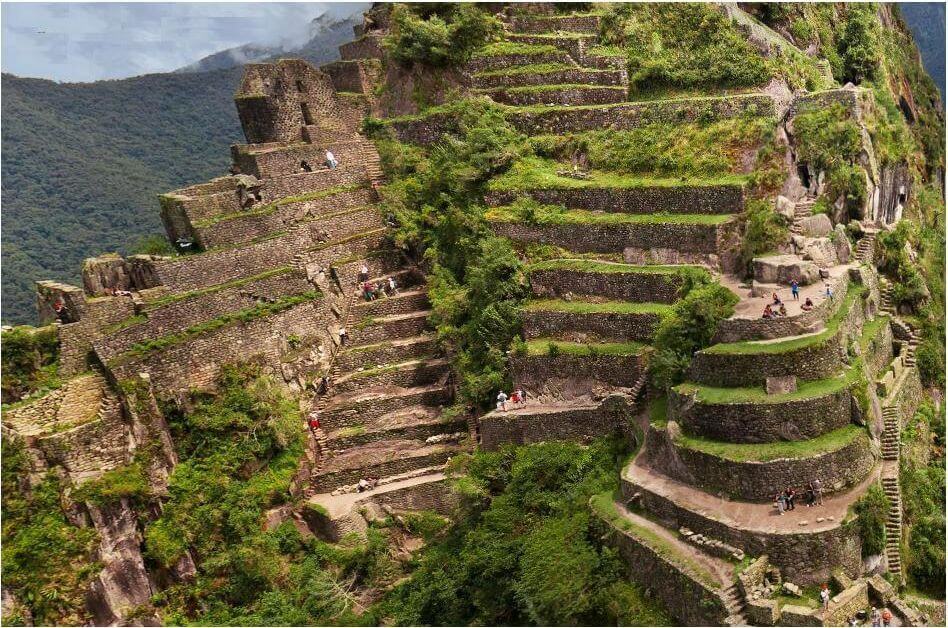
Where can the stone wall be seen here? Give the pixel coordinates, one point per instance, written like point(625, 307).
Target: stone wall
point(364, 411)
point(878, 351)
point(758, 481)
point(436, 456)
point(573, 423)
point(601, 325)
point(762, 422)
point(679, 199)
point(357, 76)
point(635, 286)
point(384, 353)
point(805, 557)
point(624, 116)
point(500, 62)
point(575, 375)
point(266, 161)
point(383, 329)
point(593, 238)
point(690, 601)
point(582, 96)
point(571, 76)
point(76, 339)
point(369, 46)
point(420, 374)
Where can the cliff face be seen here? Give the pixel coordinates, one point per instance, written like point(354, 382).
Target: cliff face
point(295, 265)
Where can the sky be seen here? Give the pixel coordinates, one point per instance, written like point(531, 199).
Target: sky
point(92, 41)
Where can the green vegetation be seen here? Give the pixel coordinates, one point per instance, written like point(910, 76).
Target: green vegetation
point(764, 452)
point(764, 230)
point(683, 46)
point(30, 362)
point(579, 306)
point(797, 342)
point(871, 512)
point(536, 173)
point(922, 478)
point(828, 139)
point(687, 150)
point(438, 34)
point(859, 43)
point(141, 349)
point(152, 244)
point(503, 48)
point(236, 283)
point(532, 69)
point(909, 287)
point(805, 390)
point(523, 506)
point(541, 346)
point(47, 561)
point(688, 327)
point(529, 211)
point(598, 266)
point(124, 482)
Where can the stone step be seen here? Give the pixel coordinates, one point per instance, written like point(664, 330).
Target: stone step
point(374, 330)
point(404, 302)
point(571, 95)
point(405, 374)
point(379, 459)
point(358, 408)
point(387, 352)
point(414, 423)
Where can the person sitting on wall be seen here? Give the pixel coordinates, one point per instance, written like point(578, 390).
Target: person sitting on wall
point(60, 308)
point(331, 161)
point(807, 305)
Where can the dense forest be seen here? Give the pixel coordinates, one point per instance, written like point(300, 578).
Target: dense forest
point(83, 162)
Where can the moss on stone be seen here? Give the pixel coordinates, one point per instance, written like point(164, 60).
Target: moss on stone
point(582, 306)
point(551, 214)
point(541, 346)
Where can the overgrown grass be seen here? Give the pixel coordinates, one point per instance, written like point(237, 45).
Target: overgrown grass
point(535, 68)
point(805, 390)
point(540, 89)
point(579, 306)
point(502, 48)
point(541, 346)
point(558, 215)
point(751, 347)
point(765, 452)
point(596, 266)
point(30, 360)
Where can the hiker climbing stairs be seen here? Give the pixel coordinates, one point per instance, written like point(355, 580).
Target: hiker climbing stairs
point(893, 525)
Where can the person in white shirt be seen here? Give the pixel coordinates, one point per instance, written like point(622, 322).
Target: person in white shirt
point(331, 159)
point(502, 401)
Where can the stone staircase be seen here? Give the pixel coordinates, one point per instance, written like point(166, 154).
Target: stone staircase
point(893, 525)
point(905, 331)
point(802, 211)
point(735, 604)
point(891, 433)
point(865, 248)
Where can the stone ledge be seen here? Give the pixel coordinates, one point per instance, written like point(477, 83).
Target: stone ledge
point(657, 287)
point(637, 326)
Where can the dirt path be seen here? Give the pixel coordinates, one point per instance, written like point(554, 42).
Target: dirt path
point(754, 517)
point(722, 570)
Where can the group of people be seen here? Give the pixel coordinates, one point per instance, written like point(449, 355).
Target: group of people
point(383, 288)
point(518, 397)
point(812, 496)
point(777, 309)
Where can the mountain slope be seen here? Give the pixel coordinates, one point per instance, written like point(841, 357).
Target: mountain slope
point(83, 162)
point(927, 22)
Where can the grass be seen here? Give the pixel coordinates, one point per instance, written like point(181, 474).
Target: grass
point(806, 390)
point(577, 306)
point(554, 215)
point(606, 51)
point(269, 208)
point(596, 266)
point(605, 507)
point(349, 432)
point(536, 68)
point(142, 349)
point(658, 411)
point(765, 452)
point(533, 89)
point(533, 173)
point(751, 347)
point(174, 298)
point(871, 329)
point(355, 236)
point(541, 346)
point(501, 48)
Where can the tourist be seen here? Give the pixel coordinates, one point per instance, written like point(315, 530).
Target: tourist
point(364, 273)
point(363, 485)
point(391, 221)
point(829, 292)
point(807, 305)
point(795, 290)
point(783, 310)
point(876, 617)
point(808, 496)
point(853, 621)
point(343, 336)
point(780, 504)
point(380, 289)
point(825, 596)
point(392, 287)
point(305, 167)
point(515, 397)
point(331, 160)
point(502, 401)
point(60, 309)
point(313, 422)
point(791, 495)
point(768, 312)
point(817, 491)
point(776, 299)
point(523, 396)
point(367, 291)
point(886, 617)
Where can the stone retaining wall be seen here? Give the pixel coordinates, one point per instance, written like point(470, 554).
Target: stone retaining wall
point(385, 353)
point(803, 557)
point(419, 432)
point(500, 62)
point(758, 481)
point(366, 47)
point(365, 411)
point(578, 374)
point(76, 339)
point(535, 24)
point(762, 422)
point(574, 76)
point(689, 600)
point(636, 287)
point(358, 75)
point(601, 325)
point(564, 95)
point(383, 330)
point(325, 482)
point(679, 199)
point(417, 375)
point(390, 306)
point(578, 423)
point(878, 351)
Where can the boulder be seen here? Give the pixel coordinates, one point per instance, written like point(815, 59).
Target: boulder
point(791, 589)
point(821, 251)
point(785, 268)
point(781, 384)
point(786, 208)
point(817, 225)
point(844, 249)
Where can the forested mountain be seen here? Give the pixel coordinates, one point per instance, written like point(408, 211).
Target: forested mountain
point(927, 21)
point(83, 162)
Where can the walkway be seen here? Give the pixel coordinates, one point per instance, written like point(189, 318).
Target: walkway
point(753, 307)
point(342, 504)
point(753, 517)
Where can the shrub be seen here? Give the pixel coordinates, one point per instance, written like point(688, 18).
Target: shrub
point(829, 139)
point(30, 360)
point(439, 35)
point(687, 327)
point(764, 230)
point(152, 245)
point(859, 45)
point(871, 511)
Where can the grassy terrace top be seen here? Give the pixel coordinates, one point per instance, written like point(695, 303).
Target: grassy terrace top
point(596, 266)
point(583, 217)
point(751, 347)
point(536, 68)
point(269, 208)
point(502, 48)
point(578, 306)
point(697, 99)
point(805, 390)
point(536, 173)
point(541, 346)
point(766, 452)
